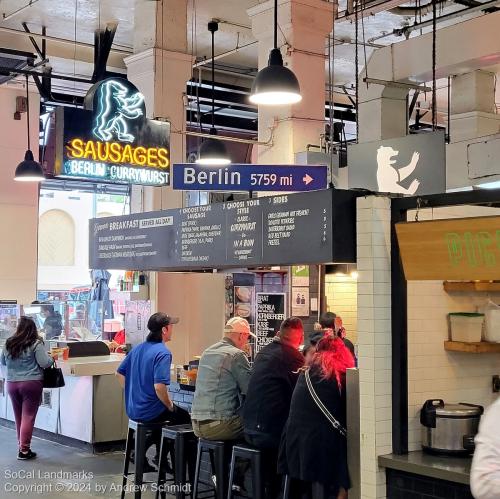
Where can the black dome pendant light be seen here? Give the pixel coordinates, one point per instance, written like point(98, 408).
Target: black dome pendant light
point(29, 170)
point(275, 85)
point(212, 151)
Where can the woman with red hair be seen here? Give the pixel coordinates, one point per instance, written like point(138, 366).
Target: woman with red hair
point(314, 445)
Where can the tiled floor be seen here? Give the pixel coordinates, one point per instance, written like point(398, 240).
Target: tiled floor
point(87, 476)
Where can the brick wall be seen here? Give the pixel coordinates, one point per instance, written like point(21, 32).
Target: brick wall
point(374, 340)
point(432, 371)
point(342, 298)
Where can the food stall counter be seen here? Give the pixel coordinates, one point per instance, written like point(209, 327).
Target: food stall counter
point(91, 366)
point(419, 473)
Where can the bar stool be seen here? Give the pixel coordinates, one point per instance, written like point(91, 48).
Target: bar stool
point(242, 451)
point(218, 453)
point(141, 432)
point(179, 438)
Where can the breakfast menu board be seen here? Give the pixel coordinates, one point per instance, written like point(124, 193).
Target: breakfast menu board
point(270, 314)
point(274, 230)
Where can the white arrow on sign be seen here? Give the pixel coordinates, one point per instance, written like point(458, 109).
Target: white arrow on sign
point(307, 179)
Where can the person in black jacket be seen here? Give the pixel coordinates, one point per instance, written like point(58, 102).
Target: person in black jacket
point(267, 404)
point(331, 321)
point(313, 448)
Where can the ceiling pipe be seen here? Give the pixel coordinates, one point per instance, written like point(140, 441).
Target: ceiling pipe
point(66, 41)
point(224, 54)
point(268, 143)
point(412, 11)
point(369, 9)
point(453, 15)
point(6, 17)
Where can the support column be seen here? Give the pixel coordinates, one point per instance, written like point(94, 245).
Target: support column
point(473, 119)
point(374, 340)
point(303, 27)
point(18, 201)
point(383, 110)
point(473, 110)
point(160, 69)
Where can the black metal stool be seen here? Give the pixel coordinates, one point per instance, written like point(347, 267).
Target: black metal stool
point(218, 453)
point(141, 431)
point(180, 438)
point(253, 455)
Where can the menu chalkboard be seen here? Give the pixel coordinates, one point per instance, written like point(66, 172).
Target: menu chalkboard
point(270, 314)
point(277, 230)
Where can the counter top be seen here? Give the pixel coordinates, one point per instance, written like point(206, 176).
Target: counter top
point(182, 386)
point(91, 366)
point(452, 469)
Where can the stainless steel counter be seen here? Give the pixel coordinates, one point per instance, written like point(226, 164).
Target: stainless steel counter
point(452, 469)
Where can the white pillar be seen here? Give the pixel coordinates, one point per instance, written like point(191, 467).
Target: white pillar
point(304, 24)
point(374, 340)
point(18, 201)
point(473, 109)
point(160, 69)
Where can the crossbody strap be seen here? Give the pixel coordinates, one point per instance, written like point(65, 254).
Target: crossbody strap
point(322, 407)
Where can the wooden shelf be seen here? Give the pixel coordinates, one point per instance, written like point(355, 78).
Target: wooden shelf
point(480, 347)
point(485, 286)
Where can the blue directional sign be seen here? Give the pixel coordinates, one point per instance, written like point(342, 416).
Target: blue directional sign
point(249, 177)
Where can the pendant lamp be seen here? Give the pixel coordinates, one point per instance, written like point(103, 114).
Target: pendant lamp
point(213, 151)
point(275, 85)
point(29, 170)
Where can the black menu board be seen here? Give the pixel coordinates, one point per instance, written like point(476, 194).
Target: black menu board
point(270, 313)
point(275, 230)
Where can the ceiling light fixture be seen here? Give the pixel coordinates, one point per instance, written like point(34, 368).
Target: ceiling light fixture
point(275, 85)
point(29, 170)
point(212, 151)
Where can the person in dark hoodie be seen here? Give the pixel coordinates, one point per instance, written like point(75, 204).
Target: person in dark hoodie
point(53, 325)
point(332, 322)
point(267, 404)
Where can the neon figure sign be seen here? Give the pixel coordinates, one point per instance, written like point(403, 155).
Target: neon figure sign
point(111, 140)
point(115, 107)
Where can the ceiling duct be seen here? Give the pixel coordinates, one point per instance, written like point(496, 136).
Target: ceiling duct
point(13, 59)
point(412, 10)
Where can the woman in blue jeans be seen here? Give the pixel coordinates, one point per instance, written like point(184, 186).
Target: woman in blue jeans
point(25, 357)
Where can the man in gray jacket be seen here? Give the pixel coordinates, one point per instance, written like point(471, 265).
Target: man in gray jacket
point(221, 384)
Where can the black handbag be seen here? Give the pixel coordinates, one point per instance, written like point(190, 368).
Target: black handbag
point(53, 377)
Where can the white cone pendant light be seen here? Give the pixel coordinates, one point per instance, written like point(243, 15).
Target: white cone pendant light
point(29, 170)
point(275, 85)
point(212, 151)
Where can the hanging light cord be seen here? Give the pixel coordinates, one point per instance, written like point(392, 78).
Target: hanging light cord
point(275, 24)
point(434, 29)
point(28, 112)
point(213, 78)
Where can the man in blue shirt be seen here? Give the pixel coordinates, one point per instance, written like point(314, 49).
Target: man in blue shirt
point(145, 375)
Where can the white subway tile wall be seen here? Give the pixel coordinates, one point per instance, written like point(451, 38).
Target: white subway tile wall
point(374, 340)
point(341, 298)
point(432, 371)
